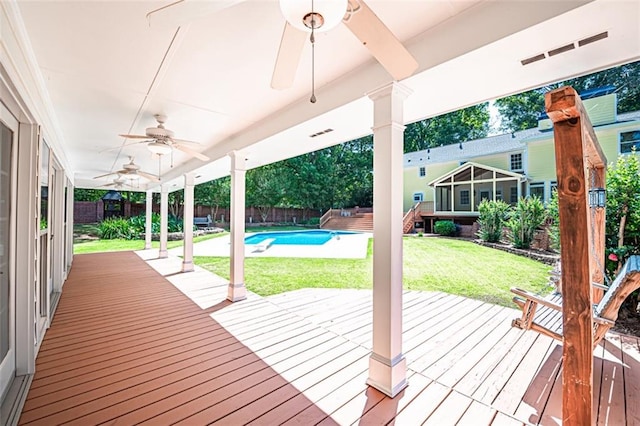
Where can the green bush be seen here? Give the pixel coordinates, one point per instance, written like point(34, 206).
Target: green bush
point(138, 224)
point(115, 228)
point(527, 216)
point(314, 221)
point(445, 227)
point(493, 215)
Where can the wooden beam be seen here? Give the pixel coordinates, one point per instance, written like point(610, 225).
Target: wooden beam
point(565, 109)
point(564, 104)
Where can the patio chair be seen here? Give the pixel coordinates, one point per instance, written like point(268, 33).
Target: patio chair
point(544, 315)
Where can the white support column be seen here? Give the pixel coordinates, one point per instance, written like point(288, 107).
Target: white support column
point(148, 223)
point(237, 291)
point(187, 226)
point(164, 220)
point(387, 365)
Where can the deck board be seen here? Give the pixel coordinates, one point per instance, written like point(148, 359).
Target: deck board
point(136, 342)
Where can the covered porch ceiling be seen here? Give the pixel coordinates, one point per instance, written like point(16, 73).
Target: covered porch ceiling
point(106, 71)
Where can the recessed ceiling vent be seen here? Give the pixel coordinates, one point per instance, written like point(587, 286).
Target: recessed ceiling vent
point(322, 132)
point(593, 38)
point(566, 48)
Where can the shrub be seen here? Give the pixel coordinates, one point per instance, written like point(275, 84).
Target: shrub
point(527, 216)
point(138, 224)
point(445, 227)
point(493, 215)
point(114, 228)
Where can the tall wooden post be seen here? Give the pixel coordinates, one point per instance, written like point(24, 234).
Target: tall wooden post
point(577, 151)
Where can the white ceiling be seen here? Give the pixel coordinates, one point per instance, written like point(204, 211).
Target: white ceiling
point(108, 72)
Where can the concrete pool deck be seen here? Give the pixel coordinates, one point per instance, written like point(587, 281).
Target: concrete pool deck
point(352, 246)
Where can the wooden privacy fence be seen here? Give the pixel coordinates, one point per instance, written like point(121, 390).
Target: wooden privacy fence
point(581, 167)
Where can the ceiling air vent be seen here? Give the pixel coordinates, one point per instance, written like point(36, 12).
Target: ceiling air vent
point(533, 59)
point(593, 38)
point(565, 48)
point(562, 49)
point(322, 132)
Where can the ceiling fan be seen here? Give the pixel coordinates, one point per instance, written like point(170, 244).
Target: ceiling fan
point(130, 170)
point(302, 18)
point(118, 183)
point(160, 140)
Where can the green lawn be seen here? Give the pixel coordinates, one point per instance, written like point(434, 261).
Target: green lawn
point(97, 246)
point(443, 264)
point(448, 265)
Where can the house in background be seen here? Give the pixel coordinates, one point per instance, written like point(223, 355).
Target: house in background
point(448, 182)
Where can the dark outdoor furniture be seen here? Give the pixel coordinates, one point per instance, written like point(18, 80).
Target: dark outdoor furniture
point(203, 222)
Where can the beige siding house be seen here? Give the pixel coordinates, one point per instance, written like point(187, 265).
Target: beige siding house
point(449, 181)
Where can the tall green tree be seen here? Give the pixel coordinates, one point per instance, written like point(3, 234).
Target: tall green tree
point(214, 194)
point(521, 111)
point(451, 128)
point(265, 188)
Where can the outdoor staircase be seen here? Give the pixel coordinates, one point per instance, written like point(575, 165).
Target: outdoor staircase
point(356, 222)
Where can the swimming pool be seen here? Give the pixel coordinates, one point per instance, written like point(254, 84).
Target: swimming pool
point(306, 238)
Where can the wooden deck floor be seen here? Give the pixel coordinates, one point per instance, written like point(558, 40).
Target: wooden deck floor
point(136, 342)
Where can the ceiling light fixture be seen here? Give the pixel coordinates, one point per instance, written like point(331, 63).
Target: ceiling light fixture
point(159, 148)
point(324, 15)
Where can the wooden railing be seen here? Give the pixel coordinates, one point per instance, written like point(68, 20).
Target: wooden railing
point(326, 217)
point(354, 211)
point(409, 219)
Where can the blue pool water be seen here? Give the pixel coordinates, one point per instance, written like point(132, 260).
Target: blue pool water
point(307, 238)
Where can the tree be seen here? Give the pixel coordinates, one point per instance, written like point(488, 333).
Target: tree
point(521, 111)
point(623, 209)
point(265, 188)
point(80, 194)
point(451, 128)
point(215, 194)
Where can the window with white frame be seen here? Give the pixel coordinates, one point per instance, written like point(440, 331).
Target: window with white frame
point(464, 197)
point(499, 195)
point(422, 171)
point(553, 185)
point(629, 141)
point(515, 162)
point(418, 197)
point(536, 189)
point(485, 195)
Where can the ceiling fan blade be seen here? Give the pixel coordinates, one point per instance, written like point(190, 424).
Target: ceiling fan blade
point(134, 136)
point(381, 42)
point(126, 145)
point(183, 12)
point(191, 152)
point(108, 174)
point(184, 142)
point(288, 58)
point(148, 176)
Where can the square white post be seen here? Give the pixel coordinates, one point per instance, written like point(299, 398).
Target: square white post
point(237, 291)
point(164, 220)
point(187, 224)
point(387, 365)
point(148, 223)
